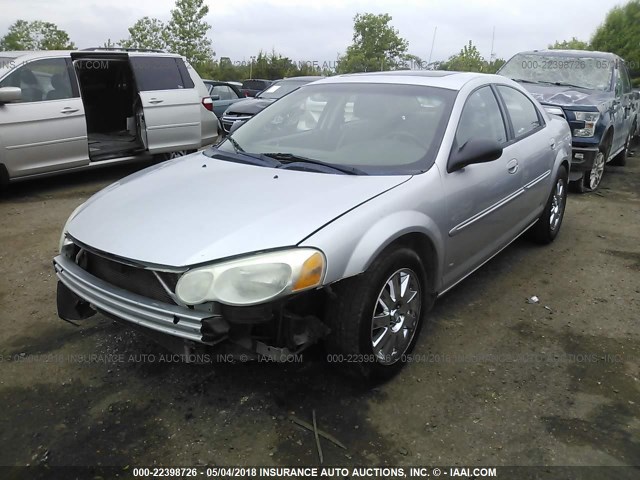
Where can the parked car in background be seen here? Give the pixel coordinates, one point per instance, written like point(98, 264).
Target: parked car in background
point(71, 110)
point(222, 94)
point(280, 236)
point(243, 111)
point(592, 91)
point(251, 87)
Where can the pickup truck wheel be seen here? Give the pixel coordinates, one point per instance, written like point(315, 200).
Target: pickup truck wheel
point(620, 160)
point(547, 227)
point(591, 179)
point(376, 316)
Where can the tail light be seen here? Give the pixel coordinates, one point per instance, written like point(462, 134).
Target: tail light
point(207, 103)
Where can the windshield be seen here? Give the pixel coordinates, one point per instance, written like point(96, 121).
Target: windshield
point(374, 128)
point(583, 72)
point(254, 84)
point(280, 89)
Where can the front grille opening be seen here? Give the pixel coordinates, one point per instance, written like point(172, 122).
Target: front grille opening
point(133, 279)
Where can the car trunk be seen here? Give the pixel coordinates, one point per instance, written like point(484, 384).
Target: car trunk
point(112, 106)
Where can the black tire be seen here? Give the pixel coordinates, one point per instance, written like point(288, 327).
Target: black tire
point(350, 315)
point(545, 231)
point(591, 180)
point(162, 157)
point(4, 179)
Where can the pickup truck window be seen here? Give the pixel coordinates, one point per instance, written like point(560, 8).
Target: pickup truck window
point(626, 81)
point(593, 73)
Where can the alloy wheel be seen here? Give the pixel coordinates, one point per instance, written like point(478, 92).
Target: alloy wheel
point(597, 171)
point(395, 316)
point(558, 202)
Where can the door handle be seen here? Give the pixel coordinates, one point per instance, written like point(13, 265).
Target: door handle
point(155, 100)
point(68, 110)
point(512, 166)
point(552, 144)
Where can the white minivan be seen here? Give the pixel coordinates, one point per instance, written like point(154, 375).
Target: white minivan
point(71, 110)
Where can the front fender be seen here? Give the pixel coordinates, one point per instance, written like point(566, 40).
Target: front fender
point(353, 241)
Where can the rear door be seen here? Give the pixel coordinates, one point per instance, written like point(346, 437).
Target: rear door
point(533, 146)
point(170, 103)
point(46, 131)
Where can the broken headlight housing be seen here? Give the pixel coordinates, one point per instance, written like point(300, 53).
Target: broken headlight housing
point(590, 120)
point(255, 279)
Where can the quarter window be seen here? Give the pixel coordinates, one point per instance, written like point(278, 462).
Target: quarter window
point(523, 113)
point(481, 118)
point(160, 73)
point(40, 80)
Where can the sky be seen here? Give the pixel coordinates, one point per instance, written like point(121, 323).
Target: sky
point(320, 30)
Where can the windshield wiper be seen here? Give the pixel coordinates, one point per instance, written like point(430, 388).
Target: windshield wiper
point(238, 150)
point(564, 84)
point(287, 158)
point(522, 80)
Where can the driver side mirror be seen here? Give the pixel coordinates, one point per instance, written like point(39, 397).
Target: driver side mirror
point(475, 150)
point(10, 94)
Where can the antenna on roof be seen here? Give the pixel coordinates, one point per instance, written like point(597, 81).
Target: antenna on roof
point(492, 57)
point(433, 42)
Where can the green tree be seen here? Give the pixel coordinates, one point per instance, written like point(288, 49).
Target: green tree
point(187, 32)
point(573, 44)
point(468, 60)
point(376, 45)
point(620, 34)
point(36, 35)
point(146, 33)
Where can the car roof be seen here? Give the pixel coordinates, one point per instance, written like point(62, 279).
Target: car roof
point(570, 53)
point(26, 55)
point(433, 78)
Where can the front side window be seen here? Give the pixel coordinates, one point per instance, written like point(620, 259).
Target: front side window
point(481, 118)
point(41, 80)
point(523, 113)
point(383, 129)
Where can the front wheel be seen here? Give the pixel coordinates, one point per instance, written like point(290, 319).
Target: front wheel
point(591, 179)
point(547, 227)
point(376, 317)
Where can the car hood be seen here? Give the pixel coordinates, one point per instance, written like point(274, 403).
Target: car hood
point(197, 209)
point(250, 105)
point(567, 96)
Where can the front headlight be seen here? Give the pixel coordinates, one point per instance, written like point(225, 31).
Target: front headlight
point(64, 241)
point(253, 280)
point(590, 120)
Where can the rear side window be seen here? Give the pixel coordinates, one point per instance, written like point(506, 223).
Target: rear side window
point(523, 113)
point(160, 73)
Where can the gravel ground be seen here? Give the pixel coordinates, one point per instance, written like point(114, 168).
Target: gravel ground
point(495, 381)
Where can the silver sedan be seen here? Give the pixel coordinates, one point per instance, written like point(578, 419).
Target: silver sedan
point(341, 212)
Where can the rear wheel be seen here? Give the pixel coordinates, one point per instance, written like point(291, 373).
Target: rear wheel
point(547, 227)
point(376, 317)
point(171, 155)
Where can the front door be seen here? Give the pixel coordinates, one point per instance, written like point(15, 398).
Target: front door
point(46, 131)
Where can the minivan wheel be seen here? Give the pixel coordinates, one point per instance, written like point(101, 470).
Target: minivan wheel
point(376, 317)
point(547, 227)
point(171, 155)
point(4, 178)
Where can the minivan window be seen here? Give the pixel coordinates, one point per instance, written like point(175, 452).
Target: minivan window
point(46, 79)
point(160, 73)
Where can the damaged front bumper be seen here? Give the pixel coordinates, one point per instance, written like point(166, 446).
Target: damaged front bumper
point(183, 329)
